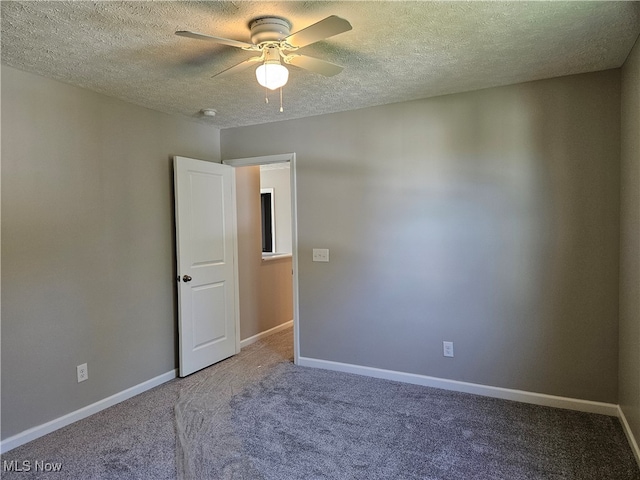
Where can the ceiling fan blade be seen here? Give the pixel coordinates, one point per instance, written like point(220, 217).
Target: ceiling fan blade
point(316, 65)
point(211, 38)
point(238, 68)
point(326, 28)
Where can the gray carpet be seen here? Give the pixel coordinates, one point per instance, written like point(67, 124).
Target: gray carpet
point(257, 416)
point(308, 423)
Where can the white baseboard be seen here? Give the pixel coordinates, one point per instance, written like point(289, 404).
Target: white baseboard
point(627, 431)
point(41, 430)
point(477, 389)
point(248, 341)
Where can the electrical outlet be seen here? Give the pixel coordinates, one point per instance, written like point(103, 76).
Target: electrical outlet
point(83, 372)
point(447, 349)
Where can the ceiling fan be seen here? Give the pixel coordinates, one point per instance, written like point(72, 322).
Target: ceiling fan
point(272, 41)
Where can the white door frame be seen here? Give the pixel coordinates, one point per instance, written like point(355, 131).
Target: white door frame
point(291, 159)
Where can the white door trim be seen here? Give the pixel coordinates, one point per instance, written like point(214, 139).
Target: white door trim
point(282, 158)
point(263, 160)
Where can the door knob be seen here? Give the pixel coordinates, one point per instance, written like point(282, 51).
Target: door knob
point(186, 278)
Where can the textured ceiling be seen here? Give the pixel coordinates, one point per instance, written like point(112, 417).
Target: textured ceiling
point(396, 51)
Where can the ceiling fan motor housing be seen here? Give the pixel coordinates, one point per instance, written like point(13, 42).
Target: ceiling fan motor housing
point(269, 29)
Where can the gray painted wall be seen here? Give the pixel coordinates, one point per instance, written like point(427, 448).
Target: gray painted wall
point(490, 219)
point(87, 245)
point(630, 244)
point(266, 294)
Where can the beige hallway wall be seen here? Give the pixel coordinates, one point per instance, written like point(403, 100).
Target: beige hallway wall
point(266, 295)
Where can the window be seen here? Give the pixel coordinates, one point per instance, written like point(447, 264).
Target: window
point(268, 221)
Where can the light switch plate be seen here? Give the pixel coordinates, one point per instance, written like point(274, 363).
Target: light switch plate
point(320, 254)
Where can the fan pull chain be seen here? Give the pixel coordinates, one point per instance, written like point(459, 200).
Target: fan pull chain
point(281, 109)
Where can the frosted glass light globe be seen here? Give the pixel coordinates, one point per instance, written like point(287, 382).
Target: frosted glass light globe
point(272, 75)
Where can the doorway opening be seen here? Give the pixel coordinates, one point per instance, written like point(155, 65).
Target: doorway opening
point(268, 280)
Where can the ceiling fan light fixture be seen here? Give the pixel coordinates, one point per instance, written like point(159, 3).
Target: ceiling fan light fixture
point(271, 37)
point(272, 75)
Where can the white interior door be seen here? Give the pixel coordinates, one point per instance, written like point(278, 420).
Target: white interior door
point(207, 267)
